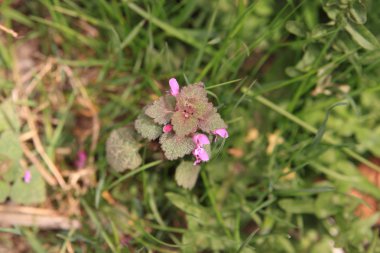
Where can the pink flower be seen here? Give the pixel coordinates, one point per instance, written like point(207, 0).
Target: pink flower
point(200, 140)
point(167, 128)
point(27, 176)
point(174, 87)
point(81, 159)
point(222, 132)
point(200, 155)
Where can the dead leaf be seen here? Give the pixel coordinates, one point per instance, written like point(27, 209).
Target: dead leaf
point(252, 135)
point(236, 152)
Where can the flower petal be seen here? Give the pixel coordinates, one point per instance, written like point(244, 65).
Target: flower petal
point(201, 139)
point(222, 132)
point(27, 176)
point(200, 154)
point(167, 128)
point(174, 87)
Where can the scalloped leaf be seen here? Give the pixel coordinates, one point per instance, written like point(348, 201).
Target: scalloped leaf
point(212, 122)
point(193, 99)
point(186, 174)
point(175, 146)
point(147, 128)
point(29, 193)
point(122, 150)
point(184, 126)
point(196, 90)
point(162, 109)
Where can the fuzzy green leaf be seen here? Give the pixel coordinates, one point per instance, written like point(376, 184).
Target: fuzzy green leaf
point(183, 126)
point(8, 116)
point(4, 191)
point(162, 109)
point(193, 91)
point(11, 153)
point(147, 128)
point(186, 174)
point(192, 100)
point(29, 193)
point(175, 146)
point(122, 150)
point(212, 122)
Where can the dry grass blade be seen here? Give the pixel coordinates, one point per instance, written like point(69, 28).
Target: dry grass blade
point(40, 149)
point(9, 31)
point(35, 217)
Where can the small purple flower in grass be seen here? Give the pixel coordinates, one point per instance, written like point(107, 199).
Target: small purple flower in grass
point(167, 128)
point(222, 132)
point(200, 140)
point(199, 152)
point(200, 155)
point(174, 87)
point(27, 176)
point(81, 159)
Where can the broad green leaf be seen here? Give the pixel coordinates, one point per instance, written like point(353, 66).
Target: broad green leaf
point(186, 174)
point(323, 245)
point(175, 146)
point(122, 150)
point(147, 128)
point(358, 13)
point(212, 122)
point(184, 125)
point(296, 28)
point(5, 189)
point(361, 35)
point(369, 139)
point(297, 205)
point(10, 153)
point(29, 193)
point(188, 206)
point(8, 116)
point(162, 109)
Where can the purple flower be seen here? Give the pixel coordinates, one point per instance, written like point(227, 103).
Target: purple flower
point(199, 152)
point(222, 132)
point(174, 87)
point(200, 155)
point(167, 128)
point(81, 159)
point(27, 176)
point(200, 140)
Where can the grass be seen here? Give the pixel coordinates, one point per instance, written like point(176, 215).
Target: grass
point(282, 182)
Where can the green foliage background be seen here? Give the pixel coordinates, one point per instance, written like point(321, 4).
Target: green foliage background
point(304, 71)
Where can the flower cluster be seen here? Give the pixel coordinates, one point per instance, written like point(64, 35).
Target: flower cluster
point(181, 120)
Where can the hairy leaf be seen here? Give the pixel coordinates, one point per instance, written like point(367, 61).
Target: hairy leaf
point(147, 128)
point(212, 122)
point(186, 174)
point(122, 150)
point(193, 100)
point(162, 109)
point(29, 193)
point(183, 126)
point(175, 146)
point(193, 91)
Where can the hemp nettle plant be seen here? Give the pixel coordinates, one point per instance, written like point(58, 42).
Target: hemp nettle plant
point(182, 121)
